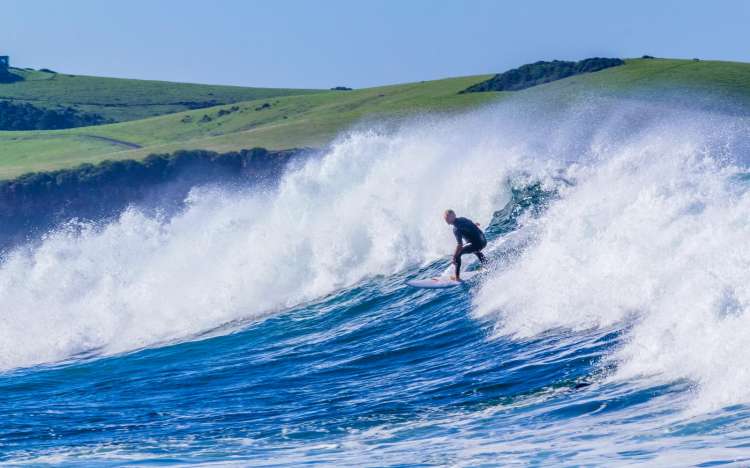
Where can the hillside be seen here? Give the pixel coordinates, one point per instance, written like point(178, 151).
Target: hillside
point(279, 123)
point(125, 99)
point(729, 79)
point(313, 120)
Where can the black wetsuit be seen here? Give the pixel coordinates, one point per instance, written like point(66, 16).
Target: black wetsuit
point(464, 228)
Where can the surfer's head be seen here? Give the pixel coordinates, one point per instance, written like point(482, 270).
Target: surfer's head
point(449, 216)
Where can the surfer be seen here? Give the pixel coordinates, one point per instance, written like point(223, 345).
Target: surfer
point(467, 229)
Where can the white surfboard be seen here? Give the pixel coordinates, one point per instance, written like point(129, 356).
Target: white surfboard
point(441, 282)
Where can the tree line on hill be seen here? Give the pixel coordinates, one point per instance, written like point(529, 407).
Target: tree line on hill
point(28, 117)
point(541, 72)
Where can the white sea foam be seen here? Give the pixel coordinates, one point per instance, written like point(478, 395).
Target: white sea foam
point(372, 205)
point(654, 228)
point(655, 232)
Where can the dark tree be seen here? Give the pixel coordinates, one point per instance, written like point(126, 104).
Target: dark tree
point(541, 72)
point(27, 117)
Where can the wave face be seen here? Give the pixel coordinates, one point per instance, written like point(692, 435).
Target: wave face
point(274, 325)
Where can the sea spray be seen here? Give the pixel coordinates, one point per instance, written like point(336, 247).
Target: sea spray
point(370, 206)
point(616, 289)
point(647, 231)
point(654, 234)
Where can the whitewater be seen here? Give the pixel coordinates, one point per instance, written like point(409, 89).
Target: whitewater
point(271, 325)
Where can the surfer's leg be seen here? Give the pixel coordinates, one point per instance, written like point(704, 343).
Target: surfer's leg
point(476, 250)
point(457, 263)
point(479, 254)
point(466, 249)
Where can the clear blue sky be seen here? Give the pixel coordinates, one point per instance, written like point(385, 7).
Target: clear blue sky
point(324, 43)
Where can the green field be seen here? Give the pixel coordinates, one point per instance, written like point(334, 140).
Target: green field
point(314, 119)
point(731, 79)
point(289, 121)
point(122, 99)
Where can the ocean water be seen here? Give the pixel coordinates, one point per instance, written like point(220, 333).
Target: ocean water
point(272, 326)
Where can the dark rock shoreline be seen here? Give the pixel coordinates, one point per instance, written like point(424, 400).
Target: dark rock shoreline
point(32, 204)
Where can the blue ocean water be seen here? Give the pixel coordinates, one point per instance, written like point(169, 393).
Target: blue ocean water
point(574, 349)
point(379, 374)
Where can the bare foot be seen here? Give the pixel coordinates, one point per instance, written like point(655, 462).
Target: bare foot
point(455, 278)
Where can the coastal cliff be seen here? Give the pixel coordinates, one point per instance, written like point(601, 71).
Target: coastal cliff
point(32, 204)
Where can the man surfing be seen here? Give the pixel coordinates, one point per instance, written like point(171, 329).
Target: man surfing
point(467, 229)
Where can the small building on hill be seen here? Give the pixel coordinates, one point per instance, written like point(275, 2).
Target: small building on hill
point(5, 74)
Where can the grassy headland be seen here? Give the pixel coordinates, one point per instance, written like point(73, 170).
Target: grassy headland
point(120, 99)
point(314, 119)
point(278, 123)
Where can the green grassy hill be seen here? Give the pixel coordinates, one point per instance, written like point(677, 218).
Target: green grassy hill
point(729, 79)
point(278, 123)
point(281, 122)
point(122, 99)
